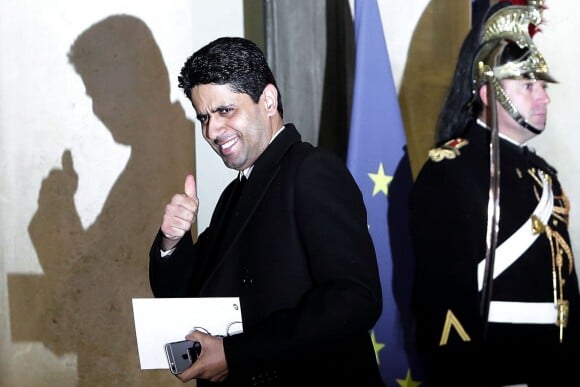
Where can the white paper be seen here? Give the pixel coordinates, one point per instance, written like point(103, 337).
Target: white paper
point(162, 320)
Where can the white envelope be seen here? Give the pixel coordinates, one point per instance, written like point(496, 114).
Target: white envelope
point(162, 320)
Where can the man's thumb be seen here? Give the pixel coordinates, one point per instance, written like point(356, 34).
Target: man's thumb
point(190, 186)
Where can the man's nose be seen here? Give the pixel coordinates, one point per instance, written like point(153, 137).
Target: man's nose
point(542, 95)
point(214, 126)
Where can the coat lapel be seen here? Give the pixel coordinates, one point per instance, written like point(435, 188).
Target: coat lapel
point(265, 170)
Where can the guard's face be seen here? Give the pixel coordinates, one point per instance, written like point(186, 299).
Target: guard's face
point(233, 125)
point(531, 99)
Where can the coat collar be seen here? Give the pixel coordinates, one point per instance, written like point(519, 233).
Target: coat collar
point(265, 170)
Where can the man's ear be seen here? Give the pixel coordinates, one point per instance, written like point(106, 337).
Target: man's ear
point(483, 94)
point(270, 99)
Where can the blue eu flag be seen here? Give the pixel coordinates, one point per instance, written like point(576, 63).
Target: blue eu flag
point(378, 160)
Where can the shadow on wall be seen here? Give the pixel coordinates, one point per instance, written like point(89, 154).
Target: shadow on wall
point(430, 63)
point(82, 304)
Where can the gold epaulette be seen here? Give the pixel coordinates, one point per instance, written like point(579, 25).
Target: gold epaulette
point(449, 150)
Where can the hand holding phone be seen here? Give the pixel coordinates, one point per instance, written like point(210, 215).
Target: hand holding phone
point(181, 355)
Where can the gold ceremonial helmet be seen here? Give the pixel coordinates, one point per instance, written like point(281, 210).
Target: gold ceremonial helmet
point(506, 51)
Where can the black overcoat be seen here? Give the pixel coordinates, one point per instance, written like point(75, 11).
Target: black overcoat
point(299, 255)
point(449, 205)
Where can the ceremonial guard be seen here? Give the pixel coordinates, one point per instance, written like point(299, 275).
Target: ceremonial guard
point(496, 295)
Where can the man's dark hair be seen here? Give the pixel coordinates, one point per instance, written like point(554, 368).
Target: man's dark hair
point(232, 61)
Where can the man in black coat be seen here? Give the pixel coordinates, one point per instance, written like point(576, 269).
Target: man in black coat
point(288, 237)
point(523, 326)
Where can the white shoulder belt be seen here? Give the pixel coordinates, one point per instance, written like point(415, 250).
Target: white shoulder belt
point(509, 252)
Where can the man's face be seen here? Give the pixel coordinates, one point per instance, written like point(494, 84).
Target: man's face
point(233, 125)
point(531, 100)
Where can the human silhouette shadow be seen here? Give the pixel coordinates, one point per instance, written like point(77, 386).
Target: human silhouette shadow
point(403, 261)
point(82, 303)
point(431, 59)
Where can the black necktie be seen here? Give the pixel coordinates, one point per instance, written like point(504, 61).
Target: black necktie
point(232, 204)
point(224, 223)
point(217, 249)
point(242, 183)
point(237, 193)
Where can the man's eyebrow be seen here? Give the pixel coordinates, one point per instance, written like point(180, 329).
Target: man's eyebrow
point(214, 110)
point(221, 107)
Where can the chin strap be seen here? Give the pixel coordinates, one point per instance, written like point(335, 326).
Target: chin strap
point(520, 120)
point(509, 106)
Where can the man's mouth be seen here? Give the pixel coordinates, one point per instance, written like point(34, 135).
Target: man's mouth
point(227, 146)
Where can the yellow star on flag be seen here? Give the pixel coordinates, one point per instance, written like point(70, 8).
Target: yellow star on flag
point(408, 382)
point(377, 346)
point(381, 181)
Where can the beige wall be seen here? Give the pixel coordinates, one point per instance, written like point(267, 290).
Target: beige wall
point(92, 149)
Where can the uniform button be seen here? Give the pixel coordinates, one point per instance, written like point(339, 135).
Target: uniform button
point(247, 279)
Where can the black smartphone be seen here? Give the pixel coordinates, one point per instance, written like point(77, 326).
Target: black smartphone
point(181, 355)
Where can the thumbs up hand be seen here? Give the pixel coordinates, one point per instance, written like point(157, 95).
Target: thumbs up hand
point(180, 213)
point(190, 190)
